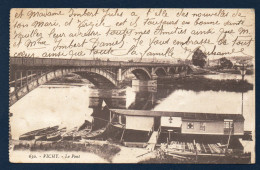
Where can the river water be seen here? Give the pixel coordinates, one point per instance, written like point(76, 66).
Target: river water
point(51, 105)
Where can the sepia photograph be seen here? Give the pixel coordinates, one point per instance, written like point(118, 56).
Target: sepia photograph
point(132, 85)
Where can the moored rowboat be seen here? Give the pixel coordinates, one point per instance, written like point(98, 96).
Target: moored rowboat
point(56, 135)
point(69, 134)
point(31, 135)
point(77, 135)
point(42, 135)
point(95, 134)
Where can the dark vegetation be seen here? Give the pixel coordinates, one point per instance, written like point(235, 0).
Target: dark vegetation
point(105, 151)
point(199, 58)
point(225, 63)
point(198, 83)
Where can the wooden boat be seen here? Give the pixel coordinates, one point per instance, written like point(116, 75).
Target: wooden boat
point(77, 135)
point(95, 134)
point(69, 134)
point(31, 135)
point(42, 135)
point(82, 130)
point(86, 125)
point(188, 148)
point(56, 135)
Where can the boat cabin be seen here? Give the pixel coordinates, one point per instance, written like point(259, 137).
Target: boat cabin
point(179, 122)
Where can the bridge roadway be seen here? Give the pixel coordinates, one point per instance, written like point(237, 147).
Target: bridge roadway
point(27, 74)
point(54, 62)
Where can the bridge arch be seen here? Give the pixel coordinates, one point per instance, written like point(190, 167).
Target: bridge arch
point(139, 72)
point(109, 76)
point(160, 71)
point(33, 84)
point(173, 70)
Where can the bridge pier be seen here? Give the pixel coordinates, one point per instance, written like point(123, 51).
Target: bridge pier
point(153, 74)
point(119, 74)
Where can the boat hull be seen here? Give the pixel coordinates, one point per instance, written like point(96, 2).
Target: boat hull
point(95, 134)
point(26, 137)
point(41, 137)
point(54, 138)
point(31, 135)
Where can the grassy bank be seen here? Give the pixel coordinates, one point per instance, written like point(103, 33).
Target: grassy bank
point(105, 151)
point(230, 71)
point(248, 72)
point(198, 83)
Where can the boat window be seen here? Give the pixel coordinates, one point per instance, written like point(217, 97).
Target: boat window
point(202, 126)
point(190, 125)
point(228, 124)
point(123, 119)
point(115, 118)
point(120, 119)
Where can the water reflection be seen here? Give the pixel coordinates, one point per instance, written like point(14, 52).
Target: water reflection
point(48, 106)
point(224, 76)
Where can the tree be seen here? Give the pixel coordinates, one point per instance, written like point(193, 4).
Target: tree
point(225, 63)
point(199, 58)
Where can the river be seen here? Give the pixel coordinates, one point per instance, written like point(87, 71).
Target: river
point(51, 105)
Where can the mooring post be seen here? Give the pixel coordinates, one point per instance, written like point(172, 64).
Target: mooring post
point(152, 98)
point(21, 78)
point(26, 76)
point(37, 77)
point(15, 81)
point(195, 146)
point(31, 73)
point(122, 135)
point(110, 116)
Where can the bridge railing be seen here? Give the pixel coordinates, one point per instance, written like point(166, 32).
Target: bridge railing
point(21, 61)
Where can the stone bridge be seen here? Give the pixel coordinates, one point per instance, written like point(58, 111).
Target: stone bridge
point(27, 74)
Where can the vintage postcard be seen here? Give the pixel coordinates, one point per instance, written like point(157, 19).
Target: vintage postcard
point(132, 85)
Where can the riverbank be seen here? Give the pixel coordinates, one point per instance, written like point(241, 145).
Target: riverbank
point(101, 149)
point(249, 71)
point(200, 83)
point(233, 71)
point(245, 159)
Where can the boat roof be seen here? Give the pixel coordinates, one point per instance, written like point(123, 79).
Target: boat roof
point(183, 115)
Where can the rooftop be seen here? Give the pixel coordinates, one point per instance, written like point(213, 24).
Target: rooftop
point(183, 115)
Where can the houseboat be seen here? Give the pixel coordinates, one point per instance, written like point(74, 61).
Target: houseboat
point(159, 126)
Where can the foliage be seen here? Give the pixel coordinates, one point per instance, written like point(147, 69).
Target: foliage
point(199, 58)
point(199, 83)
point(225, 63)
